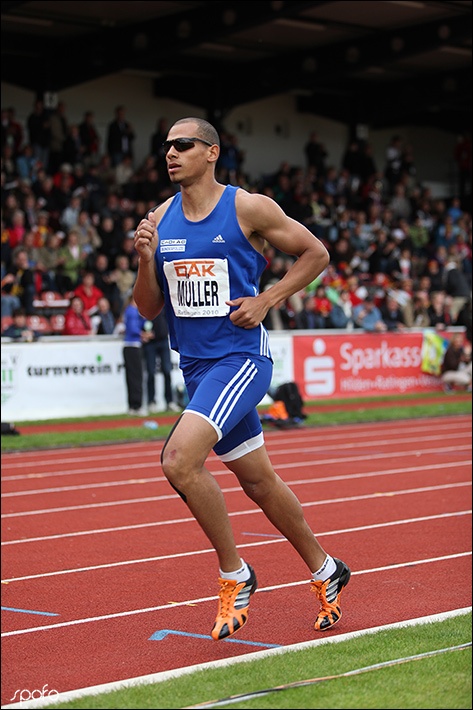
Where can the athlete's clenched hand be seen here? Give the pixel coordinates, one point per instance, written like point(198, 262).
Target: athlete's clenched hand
point(146, 237)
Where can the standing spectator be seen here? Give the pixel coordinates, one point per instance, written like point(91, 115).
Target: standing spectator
point(76, 319)
point(39, 132)
point(393, 166)
point(156, 148)
point(155, 338)
point(133, 357)
point(456, 285)
point(462, 155)
point(120, 137)
point(464, 319)
point(58, 128)
point(90, 138)
point(73, 151)
point(315, 154)
point(12, 131)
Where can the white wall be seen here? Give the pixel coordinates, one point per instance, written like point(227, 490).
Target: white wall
point(272, 129)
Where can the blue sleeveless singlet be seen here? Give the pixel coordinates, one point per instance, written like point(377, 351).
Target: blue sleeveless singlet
point(200, 266)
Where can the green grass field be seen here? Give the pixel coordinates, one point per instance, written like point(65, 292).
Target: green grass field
point(387, 669)
point(423, 666)
point(413, 406)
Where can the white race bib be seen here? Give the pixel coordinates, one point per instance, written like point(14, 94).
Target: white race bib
point(198, 288)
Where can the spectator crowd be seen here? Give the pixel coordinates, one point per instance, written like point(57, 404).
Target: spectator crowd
point(400, 258)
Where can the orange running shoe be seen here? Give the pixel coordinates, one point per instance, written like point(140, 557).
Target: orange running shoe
point(234, 601)
point(328, 593)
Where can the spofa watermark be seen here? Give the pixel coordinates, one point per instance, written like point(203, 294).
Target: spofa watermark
point(24, 695)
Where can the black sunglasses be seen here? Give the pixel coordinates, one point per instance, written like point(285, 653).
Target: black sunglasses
point(182, 144)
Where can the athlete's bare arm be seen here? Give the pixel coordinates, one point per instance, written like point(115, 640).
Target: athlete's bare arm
point(262, 219)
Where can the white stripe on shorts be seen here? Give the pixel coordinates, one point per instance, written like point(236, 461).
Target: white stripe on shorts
point(232, 393)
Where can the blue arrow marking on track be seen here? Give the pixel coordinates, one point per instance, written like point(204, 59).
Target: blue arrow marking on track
point(162, 633)
point(28, 611)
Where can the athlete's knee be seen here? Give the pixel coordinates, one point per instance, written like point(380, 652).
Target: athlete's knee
point(259, 489)
point(172, 470)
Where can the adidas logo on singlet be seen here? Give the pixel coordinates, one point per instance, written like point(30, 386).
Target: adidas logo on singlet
point(219, 239)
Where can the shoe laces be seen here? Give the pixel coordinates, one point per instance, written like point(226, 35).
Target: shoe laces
point(320, 590)
point(226, 594)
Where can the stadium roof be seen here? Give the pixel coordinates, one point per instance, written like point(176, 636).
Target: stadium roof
point(382, 63)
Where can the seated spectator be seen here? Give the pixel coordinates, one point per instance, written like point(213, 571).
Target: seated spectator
point(341, 315)
point(438, 311)
point(51, 260)
point(434, 271)
point(310, 317)
point(279, 317)
point(105, 281)
point(10, 301)
point(123, 277)
point(103, 320)
point(73, 260)
point(456, 370)
point(16, 229)
point(76, 320)
point(89, 293)
point(368, 317)
point(19, 282)
point(323, 305)
point(417, 316)
point(392, 314)
point(18, 329)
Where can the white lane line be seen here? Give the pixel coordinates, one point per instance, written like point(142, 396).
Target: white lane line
point(325, 501)
point(175, 605)
point(319, 463)
point(145, 560)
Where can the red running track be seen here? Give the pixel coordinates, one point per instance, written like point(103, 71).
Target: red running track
point(106, 576)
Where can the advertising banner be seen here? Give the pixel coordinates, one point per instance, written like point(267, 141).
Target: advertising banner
point(360, 364)
point(73, 378)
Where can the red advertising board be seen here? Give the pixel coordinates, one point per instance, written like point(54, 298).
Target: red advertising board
point(357, 364)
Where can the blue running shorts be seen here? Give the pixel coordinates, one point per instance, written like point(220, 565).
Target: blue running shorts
point(225, 393)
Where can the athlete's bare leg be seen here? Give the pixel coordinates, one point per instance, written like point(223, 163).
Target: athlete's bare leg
point(261, 483)
point(183, 460)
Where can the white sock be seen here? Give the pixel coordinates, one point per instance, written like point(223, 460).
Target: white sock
point(239, 575)
point(326, 571)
